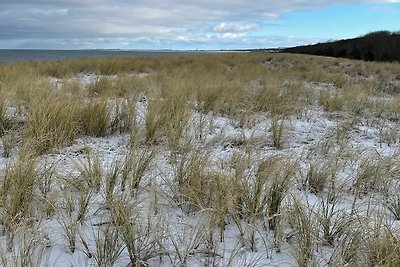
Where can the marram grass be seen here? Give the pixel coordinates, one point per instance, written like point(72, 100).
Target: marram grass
point(180, 186)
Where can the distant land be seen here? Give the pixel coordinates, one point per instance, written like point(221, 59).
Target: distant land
point(375, 46)
point(21, 55)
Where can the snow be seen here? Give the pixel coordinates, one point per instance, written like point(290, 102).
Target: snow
point(186, 231)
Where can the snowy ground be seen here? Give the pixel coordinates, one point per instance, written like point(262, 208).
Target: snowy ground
point(314, 137)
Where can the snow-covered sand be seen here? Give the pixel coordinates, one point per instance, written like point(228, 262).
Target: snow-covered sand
point(315, 137)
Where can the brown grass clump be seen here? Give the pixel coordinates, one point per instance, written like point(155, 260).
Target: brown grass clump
point(51, 123)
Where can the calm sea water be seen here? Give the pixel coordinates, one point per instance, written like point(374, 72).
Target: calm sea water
point(19, 55)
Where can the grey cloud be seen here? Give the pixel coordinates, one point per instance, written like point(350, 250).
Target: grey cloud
point(168, 21)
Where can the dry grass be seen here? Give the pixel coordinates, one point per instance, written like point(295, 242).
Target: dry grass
point(18, 191)
point(277, 152)
point(95, 118)
point(51, 123)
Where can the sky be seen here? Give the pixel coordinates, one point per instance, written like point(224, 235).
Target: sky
point(190, 24)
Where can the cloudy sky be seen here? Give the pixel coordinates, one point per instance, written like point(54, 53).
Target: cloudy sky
point(188, 24)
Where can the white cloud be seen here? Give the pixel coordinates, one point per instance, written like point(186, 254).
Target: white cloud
point(231, 36)
point(165, 21)
point(235, 27)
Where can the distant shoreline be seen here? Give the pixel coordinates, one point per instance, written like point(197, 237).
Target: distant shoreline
point(22, 55)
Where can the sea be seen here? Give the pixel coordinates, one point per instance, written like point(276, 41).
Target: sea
point(20, 55)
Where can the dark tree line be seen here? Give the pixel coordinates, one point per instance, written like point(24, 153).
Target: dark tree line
point(375, 46)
